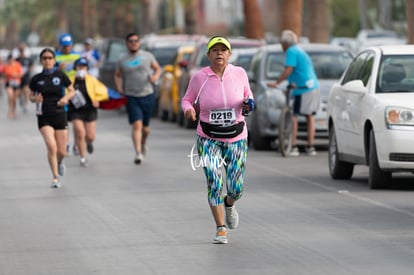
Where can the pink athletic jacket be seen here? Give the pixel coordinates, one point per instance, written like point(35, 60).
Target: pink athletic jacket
point(215, 93)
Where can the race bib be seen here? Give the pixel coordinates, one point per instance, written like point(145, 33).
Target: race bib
point(14, 83)
point(223, 117)
point(78, 100)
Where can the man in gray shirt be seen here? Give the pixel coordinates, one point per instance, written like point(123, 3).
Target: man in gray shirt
point(135, 75)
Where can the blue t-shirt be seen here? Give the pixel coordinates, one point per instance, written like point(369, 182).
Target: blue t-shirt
point(303, 74)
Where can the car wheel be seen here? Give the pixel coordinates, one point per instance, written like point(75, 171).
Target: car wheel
point(377, 177)
point(259, 142)
point(337, 168)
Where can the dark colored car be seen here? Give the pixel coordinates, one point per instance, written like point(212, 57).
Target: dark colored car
point(111, 50)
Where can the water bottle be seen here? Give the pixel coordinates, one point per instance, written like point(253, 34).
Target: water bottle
point(38, 107)
point(244, 111)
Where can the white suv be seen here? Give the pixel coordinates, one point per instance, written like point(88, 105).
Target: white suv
point(371, 115)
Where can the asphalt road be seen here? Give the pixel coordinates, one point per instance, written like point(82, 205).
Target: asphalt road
point(115, 217)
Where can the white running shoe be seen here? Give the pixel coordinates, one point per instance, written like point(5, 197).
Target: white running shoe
point(83, 162)
point(294, 152)
point(138, 158)
point(232, 217)
point(311, 151)
point(55, 183)
point(61, 169)
point(221, 235)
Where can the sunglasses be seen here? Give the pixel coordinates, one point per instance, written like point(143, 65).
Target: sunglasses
point(47, 57)
point(133, 40)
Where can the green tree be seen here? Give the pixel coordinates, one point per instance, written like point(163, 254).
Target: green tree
point(345, 18)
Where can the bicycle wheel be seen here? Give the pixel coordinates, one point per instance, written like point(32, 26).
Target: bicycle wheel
point(285, 131)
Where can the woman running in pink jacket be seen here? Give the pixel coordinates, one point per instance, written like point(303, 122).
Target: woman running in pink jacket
point(222, 95)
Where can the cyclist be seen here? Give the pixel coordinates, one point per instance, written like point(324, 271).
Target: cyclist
point(300, 72)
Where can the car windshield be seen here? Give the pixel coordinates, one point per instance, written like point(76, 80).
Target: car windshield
point(274, 65)
point(330, 65)
point(116, 51)
point(244, 61)
point(382, 34)
point(396, 74)
point(165, 55)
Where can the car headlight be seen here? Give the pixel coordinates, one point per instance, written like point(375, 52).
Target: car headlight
point(398, 116)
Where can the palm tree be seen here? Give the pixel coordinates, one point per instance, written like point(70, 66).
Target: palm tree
point(105, 22)
point(253, 19)
point(385, 14)
point(145, 18)
point(409, 10)
point(363, 11)
point(292, 15)
point(190, 16)
point(318, 21)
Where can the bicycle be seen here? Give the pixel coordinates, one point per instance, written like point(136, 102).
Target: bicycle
point(285, 124)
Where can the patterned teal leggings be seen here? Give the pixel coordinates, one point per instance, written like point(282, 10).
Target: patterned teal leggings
point(216, 156)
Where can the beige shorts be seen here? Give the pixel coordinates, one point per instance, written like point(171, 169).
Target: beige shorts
point(307, 103)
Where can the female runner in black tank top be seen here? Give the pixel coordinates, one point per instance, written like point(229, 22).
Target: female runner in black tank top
point(51, 90)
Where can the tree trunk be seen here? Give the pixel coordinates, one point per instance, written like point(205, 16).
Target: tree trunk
point(92, 19)
point(12, 34)
point(318, 21)
point(272, 11)
point(106, 21)
point(85, 20)
point(292, 16)
point(384, 14)
point(120, 20)
point(129, 18)
point(363, 14)
point(253, 19)
point(190, 17)
point(409, 10)
point(145, 24)
point(63, 24)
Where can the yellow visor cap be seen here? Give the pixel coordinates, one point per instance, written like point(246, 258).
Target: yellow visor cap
point(217, 40)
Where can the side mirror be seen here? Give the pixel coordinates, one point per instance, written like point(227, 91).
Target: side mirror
point(355, 86)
